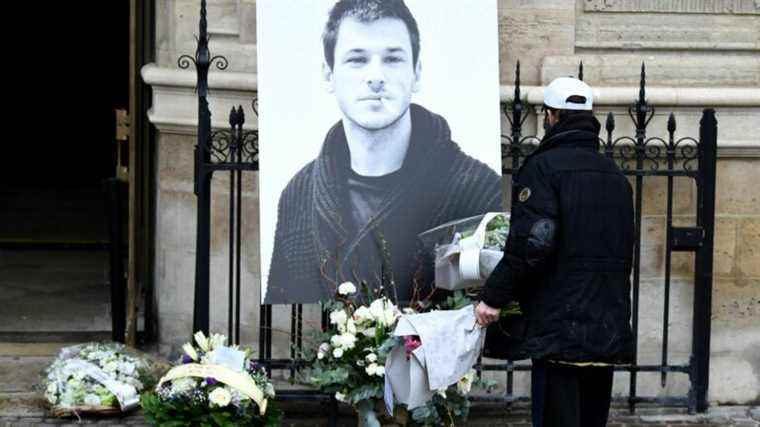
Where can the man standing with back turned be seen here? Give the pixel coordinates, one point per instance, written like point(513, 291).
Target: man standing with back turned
point(567, 262)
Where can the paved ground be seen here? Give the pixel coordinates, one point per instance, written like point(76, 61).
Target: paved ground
point(482, 416)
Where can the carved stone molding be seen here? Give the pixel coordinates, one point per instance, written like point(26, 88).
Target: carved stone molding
point(718, 7)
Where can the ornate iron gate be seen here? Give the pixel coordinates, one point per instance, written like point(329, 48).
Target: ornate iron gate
point(640, 157)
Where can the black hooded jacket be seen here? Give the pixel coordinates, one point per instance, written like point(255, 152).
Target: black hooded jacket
point(568, 257)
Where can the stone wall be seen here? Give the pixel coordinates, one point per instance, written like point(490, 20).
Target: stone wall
point(698, 54)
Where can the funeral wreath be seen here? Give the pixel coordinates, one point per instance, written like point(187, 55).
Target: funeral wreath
point(212, 384)
point(96, 378)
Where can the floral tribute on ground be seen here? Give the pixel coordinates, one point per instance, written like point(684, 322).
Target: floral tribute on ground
point(213, 384)
point(349, 360)
point(96, 378)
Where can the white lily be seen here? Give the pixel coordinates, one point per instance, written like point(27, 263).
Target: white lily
point(190, 351)
point(201, 340)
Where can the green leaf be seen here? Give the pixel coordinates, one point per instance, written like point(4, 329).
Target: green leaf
point(385, 348)
point(365, 392)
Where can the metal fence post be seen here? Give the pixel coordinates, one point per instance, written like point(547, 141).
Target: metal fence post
point(708, 141)
point(203, 183)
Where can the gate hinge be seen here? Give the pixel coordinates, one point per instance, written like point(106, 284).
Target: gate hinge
point(686, 238)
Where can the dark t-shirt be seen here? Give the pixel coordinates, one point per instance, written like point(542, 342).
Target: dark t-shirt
point(366, 194)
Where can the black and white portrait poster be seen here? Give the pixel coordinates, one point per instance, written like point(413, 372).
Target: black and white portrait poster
point(379, 119)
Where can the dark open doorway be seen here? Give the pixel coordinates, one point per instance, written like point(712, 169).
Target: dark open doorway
point(54, 230)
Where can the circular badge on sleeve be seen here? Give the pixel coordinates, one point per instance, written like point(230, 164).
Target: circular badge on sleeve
point(524, 194)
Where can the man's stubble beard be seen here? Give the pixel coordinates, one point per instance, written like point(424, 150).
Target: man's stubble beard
point(388, 126)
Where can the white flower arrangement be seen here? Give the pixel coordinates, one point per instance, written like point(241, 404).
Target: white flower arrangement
point(349, 361)
point(183, 397)
point(95, 377)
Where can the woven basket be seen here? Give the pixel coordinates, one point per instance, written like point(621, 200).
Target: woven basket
point(75, 411)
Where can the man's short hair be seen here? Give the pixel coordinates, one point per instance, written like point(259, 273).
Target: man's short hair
point(368, 11)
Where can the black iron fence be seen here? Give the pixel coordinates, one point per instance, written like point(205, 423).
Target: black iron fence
point(640, 156)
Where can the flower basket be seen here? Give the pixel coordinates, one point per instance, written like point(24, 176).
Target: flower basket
point(212, 385)
point(100, 379)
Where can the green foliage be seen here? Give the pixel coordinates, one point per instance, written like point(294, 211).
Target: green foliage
point(459, 299)
point(325, 377)
point(365, 392)
point(497, 231)
point(463, 298)
point(451, 410)
point(183, 412)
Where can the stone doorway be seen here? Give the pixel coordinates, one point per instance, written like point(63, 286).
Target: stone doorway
point(54, 264)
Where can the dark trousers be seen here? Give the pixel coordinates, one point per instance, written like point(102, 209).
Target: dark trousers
point(570, 396)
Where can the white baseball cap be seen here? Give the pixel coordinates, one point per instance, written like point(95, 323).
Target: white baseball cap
point(558, 92)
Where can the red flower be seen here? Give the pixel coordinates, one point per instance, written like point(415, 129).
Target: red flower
point(411, 342)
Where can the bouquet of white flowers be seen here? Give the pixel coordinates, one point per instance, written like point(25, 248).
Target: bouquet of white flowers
point(349, 361)
point(212, 384)
point(103, 378)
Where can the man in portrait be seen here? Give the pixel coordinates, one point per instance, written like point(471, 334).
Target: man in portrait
point(387, 170)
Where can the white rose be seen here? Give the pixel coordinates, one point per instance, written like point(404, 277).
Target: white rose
point(201, 340)
point(92, 400)
point(335, 340)
point(338, 317)
point(362, 314)
point(190, 351)
point(337, 353)
point(380, 371)
point(372, 358)
point(320, 355)
point(350, 327)
point(371, 369)
point(340, 397)
point(346, 288)
point(347, 341)
point(220, 397)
